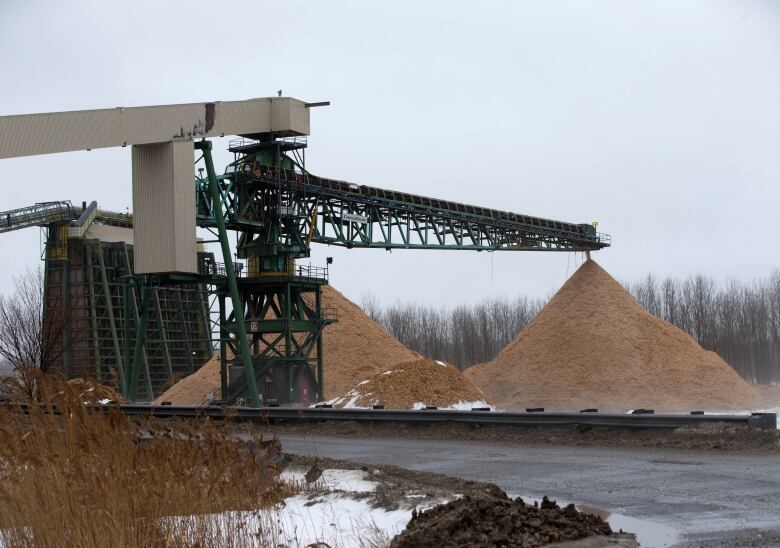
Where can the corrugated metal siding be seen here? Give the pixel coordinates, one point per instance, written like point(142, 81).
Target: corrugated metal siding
point(31, 134)
point(164, 208)
point(27, 135)
point(289, 116)
point(243, 117)
point(164, 123)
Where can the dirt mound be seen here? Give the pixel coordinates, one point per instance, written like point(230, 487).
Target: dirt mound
point(415, 384)
point(593, 345)
point(200, 388)
point(490, 518)
point(355, 347)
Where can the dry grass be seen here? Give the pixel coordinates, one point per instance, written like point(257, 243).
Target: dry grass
point(81, 477)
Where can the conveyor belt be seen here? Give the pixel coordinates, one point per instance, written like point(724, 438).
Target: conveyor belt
point(38, 214)
point(356, 216)
point(45, 213)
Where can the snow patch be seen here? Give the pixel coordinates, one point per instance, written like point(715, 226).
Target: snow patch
point(354, 396)
point(306, 519)
point(460, 406)
point(336, 520)
point(312, 518)
point(351, 481)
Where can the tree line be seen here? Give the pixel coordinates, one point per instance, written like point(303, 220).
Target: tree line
point(738, 320)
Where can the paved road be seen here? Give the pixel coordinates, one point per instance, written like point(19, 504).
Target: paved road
point(681, 498)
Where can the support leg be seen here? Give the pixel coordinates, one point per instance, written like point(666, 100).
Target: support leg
point(238, 308)
point(140, 338)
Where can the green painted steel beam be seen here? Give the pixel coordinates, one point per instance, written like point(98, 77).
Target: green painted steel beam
point(187, 341)
point(249, 372)
point(121, 369)
point(134, 297)
point(374, 217)
point(93, 320)
point(280, 325)
point(163, 337)
point(140, 339)
point(320, 358)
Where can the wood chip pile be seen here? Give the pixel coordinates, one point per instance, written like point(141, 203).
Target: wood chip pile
point(354, 348)
point(92, 391)
point(594, 346)
point(415, 384)
point(200, 388)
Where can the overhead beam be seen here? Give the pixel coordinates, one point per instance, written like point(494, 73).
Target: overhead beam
point(162, 140)
point(52, 132)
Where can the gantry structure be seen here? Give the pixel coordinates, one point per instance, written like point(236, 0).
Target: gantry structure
point(269, 312)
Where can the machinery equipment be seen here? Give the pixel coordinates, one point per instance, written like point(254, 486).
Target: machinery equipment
point(270, 312)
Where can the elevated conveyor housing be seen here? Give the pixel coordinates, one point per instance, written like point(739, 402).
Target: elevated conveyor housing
point(37, 215)
point(47, 213)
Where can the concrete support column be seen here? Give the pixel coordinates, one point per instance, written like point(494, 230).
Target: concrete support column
point(164, 208)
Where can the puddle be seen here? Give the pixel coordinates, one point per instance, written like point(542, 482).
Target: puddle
point(648, 533)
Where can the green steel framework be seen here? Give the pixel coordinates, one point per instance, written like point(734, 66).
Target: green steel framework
point(345, 214)
point(272, 349)
point(85, 288)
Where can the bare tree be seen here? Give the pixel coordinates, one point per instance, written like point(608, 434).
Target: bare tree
point(28, 343)
point(370, 305)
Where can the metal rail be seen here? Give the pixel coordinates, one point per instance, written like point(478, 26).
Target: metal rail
point(311, 414)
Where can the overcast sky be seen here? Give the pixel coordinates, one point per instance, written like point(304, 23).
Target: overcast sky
point(660, 120)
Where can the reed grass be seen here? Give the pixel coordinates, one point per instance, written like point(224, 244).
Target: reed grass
point(75, 475)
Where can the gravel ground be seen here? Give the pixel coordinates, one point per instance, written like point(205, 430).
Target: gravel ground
point(707, 437)
point(683, 497)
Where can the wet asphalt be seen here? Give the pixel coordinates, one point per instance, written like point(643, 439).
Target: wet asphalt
point(690, 498)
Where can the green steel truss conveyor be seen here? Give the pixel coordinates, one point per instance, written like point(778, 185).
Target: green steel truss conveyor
point(340, 213)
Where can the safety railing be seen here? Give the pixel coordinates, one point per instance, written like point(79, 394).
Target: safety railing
point(240, 143)
point(311, 272)
point(286, 142)
point(306, 272)
point(329, 314)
